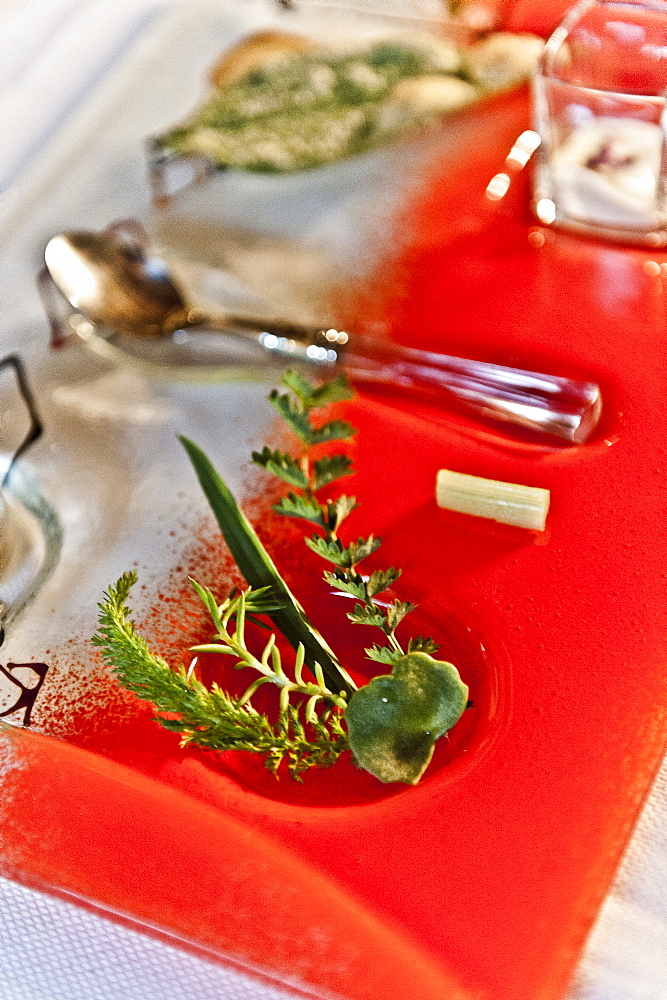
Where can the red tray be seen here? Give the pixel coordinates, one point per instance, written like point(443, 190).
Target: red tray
point(482, 881)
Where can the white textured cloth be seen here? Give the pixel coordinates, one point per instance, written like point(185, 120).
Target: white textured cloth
point(626, 956)
point(52, 950)
point(54, 55)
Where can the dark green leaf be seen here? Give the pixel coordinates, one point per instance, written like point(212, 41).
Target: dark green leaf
point(383, 654)
point(333, 430)
point(301, 387)
point(331, 551)
point(338, 510)
point(292, 413)
point(259, 622)
point(291, 410)
point(366, 616)
point(422, 644)
point(362, 548)
point(381, 579)
point(281, 465)
point(394, 720)
point(326, 470)
point(357, 590)
point(311, 395)
point(333, 391)
point(397, 611)
point(304, 507)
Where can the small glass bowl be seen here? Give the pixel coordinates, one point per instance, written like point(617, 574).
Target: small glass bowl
point(599, 99)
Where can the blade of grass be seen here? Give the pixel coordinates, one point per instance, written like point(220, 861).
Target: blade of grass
point(259, 570)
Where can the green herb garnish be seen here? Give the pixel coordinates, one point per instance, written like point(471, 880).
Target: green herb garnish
point(318, 107)
point(391, 724)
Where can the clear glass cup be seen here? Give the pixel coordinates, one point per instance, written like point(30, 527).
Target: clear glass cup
point(599, 99)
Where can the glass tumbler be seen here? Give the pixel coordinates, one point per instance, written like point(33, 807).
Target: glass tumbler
point(599, 100)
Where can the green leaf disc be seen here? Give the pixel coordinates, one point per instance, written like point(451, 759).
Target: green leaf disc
point(395, 719)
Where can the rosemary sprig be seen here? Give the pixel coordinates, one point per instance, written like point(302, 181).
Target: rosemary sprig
point(270, 664)
point(211, 718)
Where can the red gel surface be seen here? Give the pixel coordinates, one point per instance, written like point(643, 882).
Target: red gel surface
point(490, 872)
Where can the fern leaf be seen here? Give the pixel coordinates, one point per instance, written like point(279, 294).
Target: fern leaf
point(330, 468)
point(301, 388)
point(362, 548)
point(366, 616)
point(423, 644)
point(333, 430)
point(291, 411)
point(383, 654)
point(338, 510)
point(397, 611)
point(381, 579)
point(356, 589)
point(333, 391)
point(331, 551)
point(283, 466)
point(208, 717)
point(304, 507)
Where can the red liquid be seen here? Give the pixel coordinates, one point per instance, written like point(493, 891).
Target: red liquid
point(491, 870)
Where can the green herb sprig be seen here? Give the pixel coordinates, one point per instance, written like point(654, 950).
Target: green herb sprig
point(209, 717)
point(309, 476)
point(391, 724)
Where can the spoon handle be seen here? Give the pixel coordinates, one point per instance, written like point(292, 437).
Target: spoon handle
point(547, 405)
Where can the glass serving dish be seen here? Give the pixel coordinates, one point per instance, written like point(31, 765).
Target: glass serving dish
point(334, 82)
point(514, 835)
point(484, 879)
point(600, 110)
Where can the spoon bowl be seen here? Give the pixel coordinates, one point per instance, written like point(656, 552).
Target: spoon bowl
point(108, 277)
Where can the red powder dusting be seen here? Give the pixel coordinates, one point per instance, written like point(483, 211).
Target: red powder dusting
point(87, 705)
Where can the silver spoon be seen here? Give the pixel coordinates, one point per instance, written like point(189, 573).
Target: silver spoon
point(110, 279)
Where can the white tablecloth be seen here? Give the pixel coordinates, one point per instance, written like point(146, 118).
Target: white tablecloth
point(52, 950)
